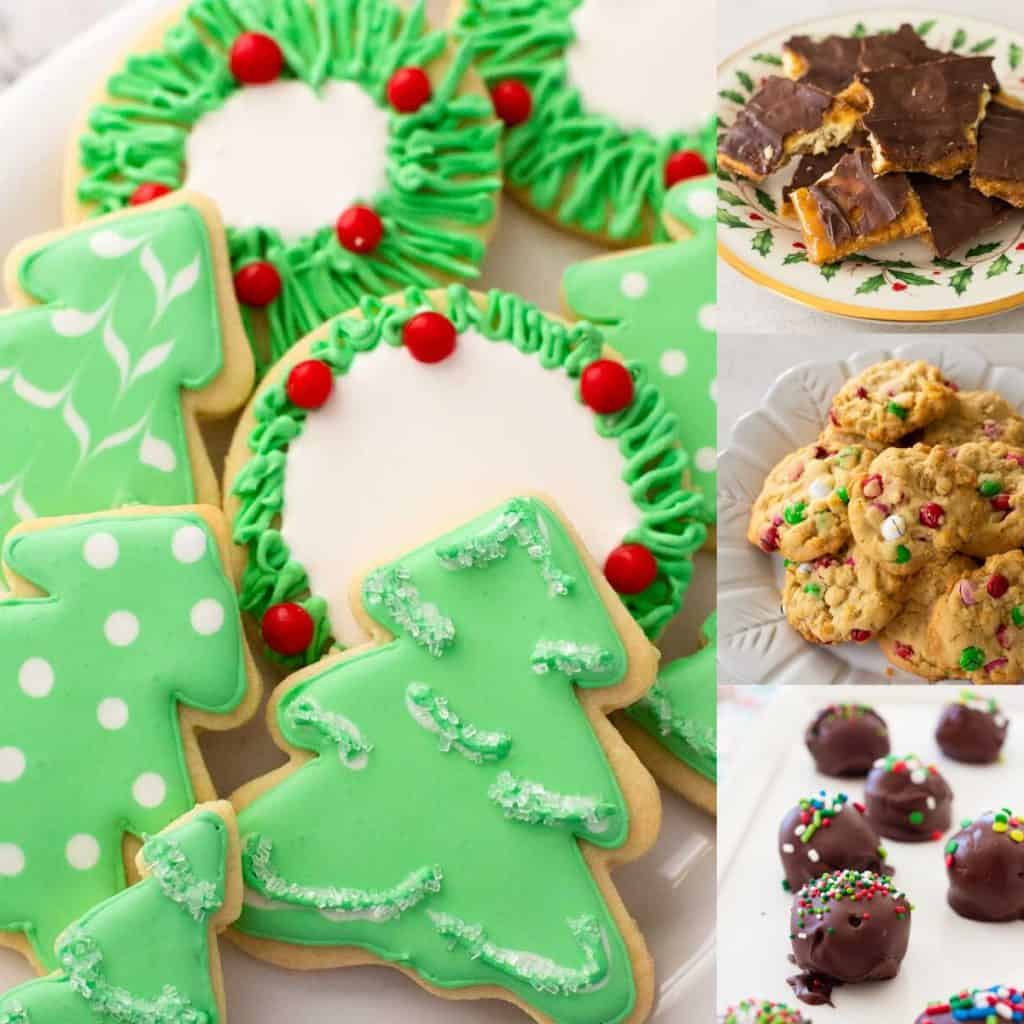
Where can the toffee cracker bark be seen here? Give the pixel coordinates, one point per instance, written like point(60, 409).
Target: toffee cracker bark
point(782, 119)
point(925, 118)
point(812, 166)
point(850, 210)
point(900, 49)
point(829, 63)
point(999, 167)
point(957, 213)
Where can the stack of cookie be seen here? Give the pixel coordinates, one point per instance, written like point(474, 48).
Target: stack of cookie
point(896, 140)
point(903, 523)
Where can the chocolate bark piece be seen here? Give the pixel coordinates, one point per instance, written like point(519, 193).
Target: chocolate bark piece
point(956, 213)
point(829, 63)
point(784, 118)
point(902, 48)
point(850, 210)
point(999, 167)
point(924, 118)
point(812, 166)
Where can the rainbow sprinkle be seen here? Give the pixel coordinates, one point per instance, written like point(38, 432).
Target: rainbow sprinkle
point(990, 1005)
point(816, 899)
point(762, 1011)
point(817, 812)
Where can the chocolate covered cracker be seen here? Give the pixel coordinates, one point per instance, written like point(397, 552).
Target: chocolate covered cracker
point(782, 119)
point(902, 48)
point(924, 118)
point(850, 210)
point(999, 166)
point(956, 213)
point(813, 166)
point(829, 63)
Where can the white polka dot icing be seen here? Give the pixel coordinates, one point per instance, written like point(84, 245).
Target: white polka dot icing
point(12, 860)
point(112, 713)
point(101, 551)
point(149, 790)
point(12, 764)
point(207, 617)
point(634, 284)
point(36, 677)
point(82, 852)
point(188, 545)
point(706, 459)
point(121, 628)
point(673, 362)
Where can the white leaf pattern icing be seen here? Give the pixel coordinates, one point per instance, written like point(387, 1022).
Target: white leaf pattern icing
point(118, 352)
point(121, 437)
point(74, 323)
point(158, 454)
point(151, 360)
point(109, 245)
point(184, 281)
point(22, 509)
point(77, 426)
point(38, 397)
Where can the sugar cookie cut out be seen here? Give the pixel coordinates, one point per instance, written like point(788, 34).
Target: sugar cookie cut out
point(486, 794)
point(351, 147)
point(109, 662)
point(123, 336)
point(148, 954)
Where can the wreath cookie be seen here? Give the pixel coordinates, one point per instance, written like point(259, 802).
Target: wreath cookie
point(405, 411)
point(603, 117)
point(350, 147)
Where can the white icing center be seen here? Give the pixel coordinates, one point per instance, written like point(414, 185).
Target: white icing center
point(404, 451)
point(647, 65)
point(284, 156)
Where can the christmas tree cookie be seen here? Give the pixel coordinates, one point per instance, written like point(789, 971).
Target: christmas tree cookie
point(602, 115)
point(657, 307)
point(407, 411)
point(148, 955)
point(121, 640)
point(124, 334)
point(351, 148)
point(455, 795)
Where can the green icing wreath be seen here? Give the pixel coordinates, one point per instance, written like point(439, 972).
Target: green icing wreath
point(581, 167)
point(646, 433)
point(443, 165)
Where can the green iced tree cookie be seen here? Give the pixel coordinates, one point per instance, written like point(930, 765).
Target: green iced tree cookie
point(454, 771)
point(143, 956)
point(116, 621)
point(657, 306)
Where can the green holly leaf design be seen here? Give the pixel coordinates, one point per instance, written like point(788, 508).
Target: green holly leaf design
point(946, 264)
point(745, 80)
point(1016, 55)
point(763, 242)
point(733, 96)
point(859, 30)
point(730, 220)
point(1020, 270)
point(765, 200)
point(908, 278)
point(982, 250)
point(829, 270)
point(999, 266)
point(959, 39)
point(768, 58)
point(794, 257)
point(872, 284)
point(723, 174)
point(985, 44)
point(960, 281)
point(925, 27)
point(731, 198)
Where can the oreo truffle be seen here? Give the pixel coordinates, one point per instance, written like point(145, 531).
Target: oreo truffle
point(845, 740)
point(908, 800)
point(824, 833)
point(848, 926)
point(985, 867)
point(972, 730)
point(1000, 1002)
point(761, 1011)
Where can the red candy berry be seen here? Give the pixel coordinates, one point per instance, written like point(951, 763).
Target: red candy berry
point(309, 384)
point(287, 628)
point(257, 283)
point(408, 90)
point(429, 337)
point(682, 165)
point(997, 585)
point(360, 229)
point(255, 59)
point(513, 102)
point(630, 569)
point(931, 515)
point(606, 386)
point(860, 636)
point(147, 192)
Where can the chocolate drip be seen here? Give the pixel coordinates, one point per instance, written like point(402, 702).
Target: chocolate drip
point(956, 213)
point(831, 62)
point(1001, 144)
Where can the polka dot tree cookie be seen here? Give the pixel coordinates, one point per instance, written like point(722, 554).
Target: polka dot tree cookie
point(122, 636)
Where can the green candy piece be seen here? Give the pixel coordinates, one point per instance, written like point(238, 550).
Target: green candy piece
point(795, 513)
point(972, 658)
point(990, 487)
point(812, 588)
point(897, 410)
point(844, 495)
point(902, 554)
point(915, 817)
point(1017, 615)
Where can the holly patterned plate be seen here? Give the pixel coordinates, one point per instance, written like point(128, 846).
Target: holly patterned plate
point(902, 281)
point(755, 642)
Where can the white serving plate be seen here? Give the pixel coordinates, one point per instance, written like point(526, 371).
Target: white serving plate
point(756, 644)
point(670, 892)
point(947, 952)
point(898, 282)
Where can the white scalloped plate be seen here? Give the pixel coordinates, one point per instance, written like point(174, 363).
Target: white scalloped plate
point(755, 643)
point(898, 282)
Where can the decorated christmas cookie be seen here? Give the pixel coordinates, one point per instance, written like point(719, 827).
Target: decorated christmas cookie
point(658, 305)
point(124, 334)
point(603, 117)
point(485, 794)
point(673, 727)
point(122, 638)
point(148, 955)
point(351, 149)
point(402, 414)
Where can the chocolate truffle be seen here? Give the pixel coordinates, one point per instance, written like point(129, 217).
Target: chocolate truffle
point(972, 730)
point(908, 800)
point(849, 926)
point(762, 1011)
point(1000, 1002)
point(985, 867)
point(824, 833)
point(845, 740)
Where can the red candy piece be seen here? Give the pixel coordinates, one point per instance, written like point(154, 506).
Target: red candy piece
point(630, 569)
point(770, 539)
point(606, 386)
point(860, 636)
point(429, 337)
point(513, 102)
point(360, 229)
point(997, 585)
point(1001, 503)
point(904, 651)
point(255, 59)
point(257, 283)
point(147, 192)
point(310, 384)
point(682, 165)
point(287, 628)
point(409, 89)
point(931, 515)
point(872, 486)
